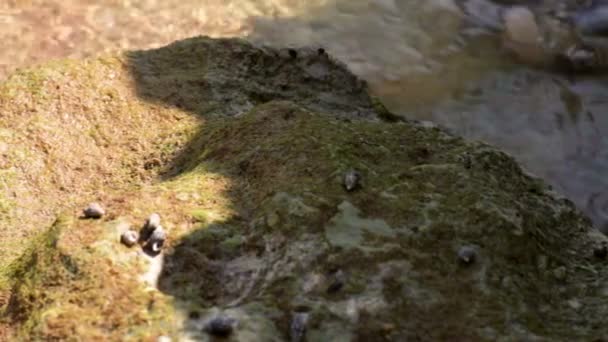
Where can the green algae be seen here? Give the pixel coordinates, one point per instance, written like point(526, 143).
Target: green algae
point(347, 228)
point(261, 226)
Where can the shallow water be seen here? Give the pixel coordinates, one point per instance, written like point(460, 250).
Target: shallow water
point(427, 63)
point(420, 56)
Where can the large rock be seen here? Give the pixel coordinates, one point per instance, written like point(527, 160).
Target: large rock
point(263, 234)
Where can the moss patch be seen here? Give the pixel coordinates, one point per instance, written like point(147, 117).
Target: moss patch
point(260, 226)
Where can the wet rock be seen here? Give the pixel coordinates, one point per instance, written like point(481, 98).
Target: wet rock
point(297, 329)
point(220, 326)
point(129, 238)
point(352, 180)
point(521, 26)
point(467, 254)
point(94, 211)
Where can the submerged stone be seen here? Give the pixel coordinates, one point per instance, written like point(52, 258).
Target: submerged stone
point(157, 240)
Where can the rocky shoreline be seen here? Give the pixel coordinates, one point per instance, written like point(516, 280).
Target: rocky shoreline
point(440, 239)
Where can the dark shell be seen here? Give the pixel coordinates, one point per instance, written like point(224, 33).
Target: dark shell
point(152, 221)
point(129, 238)
point(467, 254)
point(600, 251)
point(220, 326)
point(94, 210)
point(156, 240)
point(338, 279)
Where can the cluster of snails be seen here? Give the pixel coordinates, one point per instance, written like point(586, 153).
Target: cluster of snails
point(152, 235)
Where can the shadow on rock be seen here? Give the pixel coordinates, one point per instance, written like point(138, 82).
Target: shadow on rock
point(303, 258)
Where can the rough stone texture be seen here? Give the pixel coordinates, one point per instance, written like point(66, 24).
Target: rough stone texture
point(262, 227)
point(395, 242)
point(231, 76)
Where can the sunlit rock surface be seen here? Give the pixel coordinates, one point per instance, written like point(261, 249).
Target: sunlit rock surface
point(260, 227)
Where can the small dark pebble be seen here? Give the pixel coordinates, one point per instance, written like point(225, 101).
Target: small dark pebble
point(293, 53)
point(220, 326)
point(601, 251)
point(321, 51)
point(338, 282)
point(467, 254)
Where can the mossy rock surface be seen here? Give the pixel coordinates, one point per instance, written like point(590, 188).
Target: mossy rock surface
point(247, 175)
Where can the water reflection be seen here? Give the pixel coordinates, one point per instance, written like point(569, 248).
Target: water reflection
point(419, 46)
point(426, 62)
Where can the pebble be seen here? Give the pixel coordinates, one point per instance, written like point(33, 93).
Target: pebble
point(298, 326)
point(467, 254)
point(129, 238)
point(352, 180)
point(220, 326)
point(94, 210)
